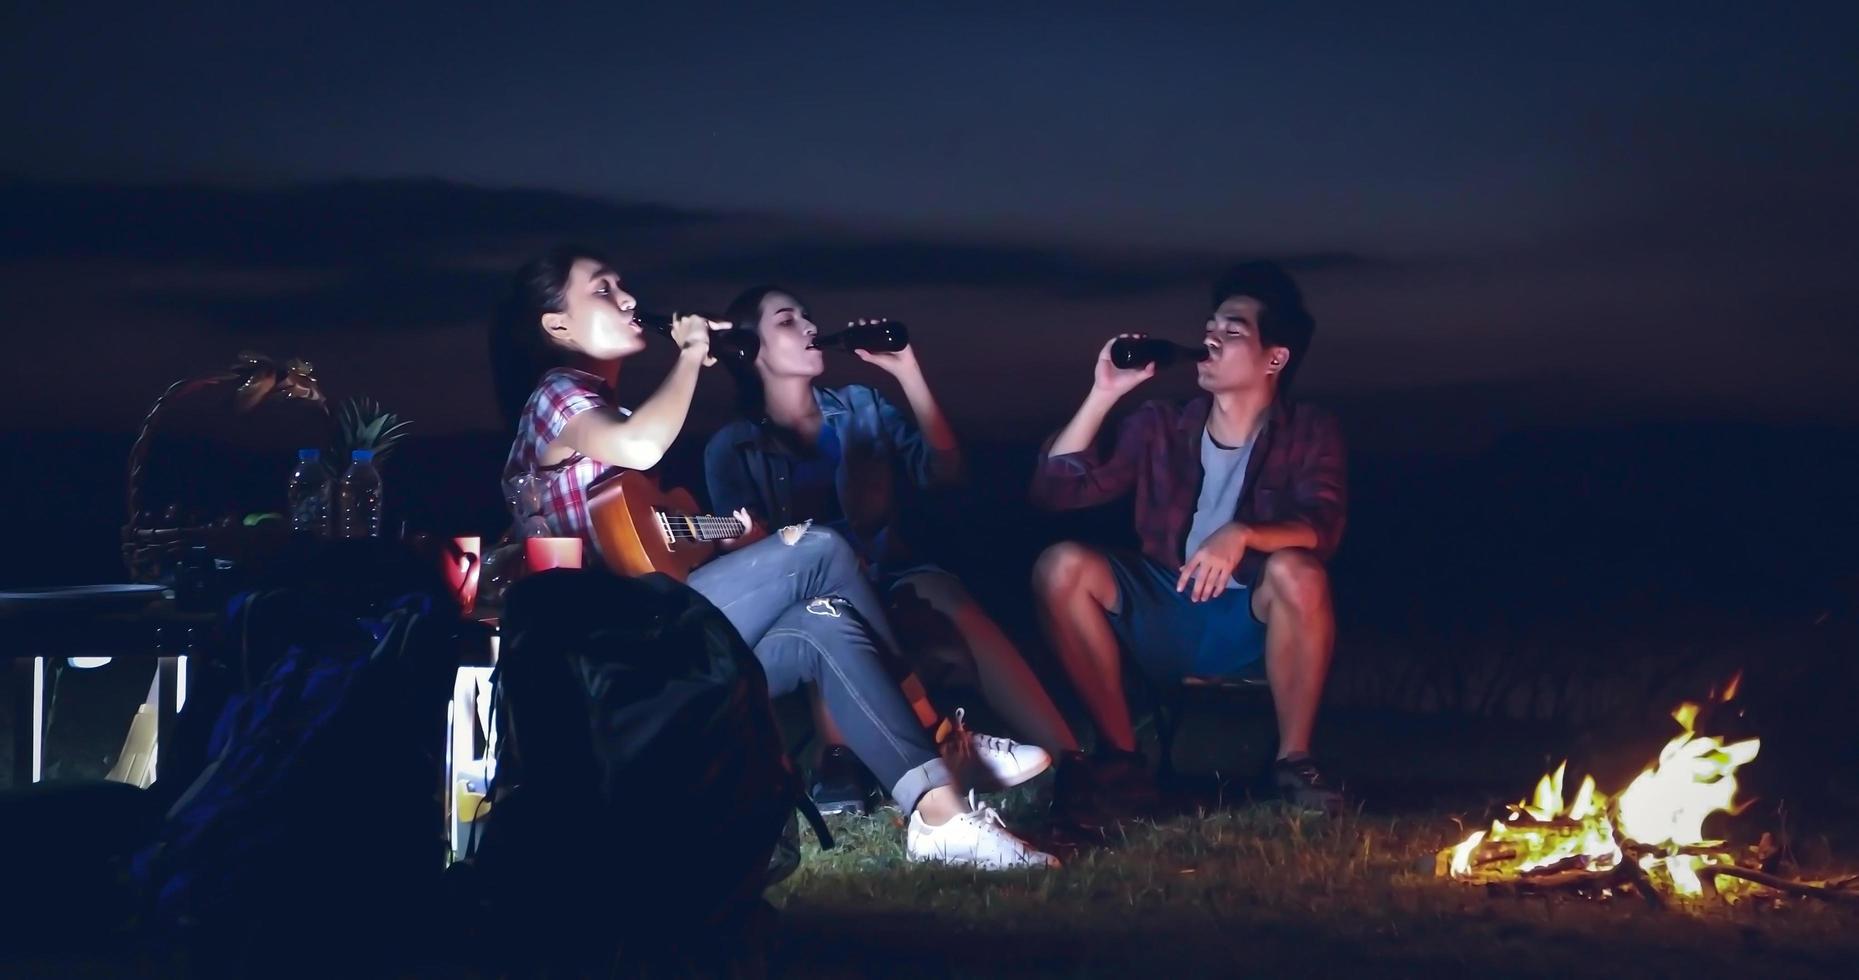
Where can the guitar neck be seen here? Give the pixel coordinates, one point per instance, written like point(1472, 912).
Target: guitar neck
point(702, 527)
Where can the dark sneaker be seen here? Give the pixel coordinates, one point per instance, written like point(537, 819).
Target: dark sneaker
point(1094, 793)
point(1074, 804)
point(839, 783)
point(1302, 785)
point(1124, 784)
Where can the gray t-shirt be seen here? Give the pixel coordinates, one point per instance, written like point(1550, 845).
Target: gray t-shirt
point(1223, 475)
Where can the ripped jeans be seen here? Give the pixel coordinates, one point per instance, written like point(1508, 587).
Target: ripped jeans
point(812, 618)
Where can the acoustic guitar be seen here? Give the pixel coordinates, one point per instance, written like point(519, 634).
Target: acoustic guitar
point(640, 527)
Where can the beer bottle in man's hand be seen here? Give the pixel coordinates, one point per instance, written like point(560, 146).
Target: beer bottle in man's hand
point(1132, 353)
point(882, 336)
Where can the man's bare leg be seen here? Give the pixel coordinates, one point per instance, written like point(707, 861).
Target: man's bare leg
point(1075, 591)
point(1293, 600)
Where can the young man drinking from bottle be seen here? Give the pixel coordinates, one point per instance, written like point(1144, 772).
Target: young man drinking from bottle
point(1240, 500)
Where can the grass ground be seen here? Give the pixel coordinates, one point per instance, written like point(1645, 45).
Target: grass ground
point(1254, 892)
point(1256, 889)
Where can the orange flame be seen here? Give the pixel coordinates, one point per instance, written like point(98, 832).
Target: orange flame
point(1662, 810)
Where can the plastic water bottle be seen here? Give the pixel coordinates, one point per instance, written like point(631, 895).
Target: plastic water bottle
point(309, 495)
point(360, 496)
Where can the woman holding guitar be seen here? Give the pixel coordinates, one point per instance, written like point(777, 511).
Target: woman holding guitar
point(556, 350)
point(838, 456)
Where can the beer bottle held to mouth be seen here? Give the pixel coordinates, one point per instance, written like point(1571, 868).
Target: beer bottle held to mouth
point(880, 336)
point(1134, 353)
point(735, 345)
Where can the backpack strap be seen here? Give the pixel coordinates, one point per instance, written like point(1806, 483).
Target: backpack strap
point(814, 820)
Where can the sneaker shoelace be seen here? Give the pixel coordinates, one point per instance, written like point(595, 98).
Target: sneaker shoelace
point(985, 814)
point(994, 743)
point(958, 729)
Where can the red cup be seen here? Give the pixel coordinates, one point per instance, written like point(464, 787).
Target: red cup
point(461, 569)
point(542, 554)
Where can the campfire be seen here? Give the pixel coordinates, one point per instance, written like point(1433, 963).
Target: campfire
point(1648, 839)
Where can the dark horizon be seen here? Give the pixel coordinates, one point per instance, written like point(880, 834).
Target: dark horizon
point(383, 285)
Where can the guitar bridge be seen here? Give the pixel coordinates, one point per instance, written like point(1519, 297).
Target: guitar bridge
point(664, 527)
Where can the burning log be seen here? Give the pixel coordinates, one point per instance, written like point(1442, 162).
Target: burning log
point(1831, 892)
point(1567, 880)
point(1648, 838)
point(1642, 883)
point(1521, 847)
point(1625, 878)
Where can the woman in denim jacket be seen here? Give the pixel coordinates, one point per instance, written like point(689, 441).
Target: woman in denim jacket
point(833, 455)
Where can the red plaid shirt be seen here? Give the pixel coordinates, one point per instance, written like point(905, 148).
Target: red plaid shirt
point(562, 489)
point(1295, 473)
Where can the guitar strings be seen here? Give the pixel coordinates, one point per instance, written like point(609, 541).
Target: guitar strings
point(700, 528)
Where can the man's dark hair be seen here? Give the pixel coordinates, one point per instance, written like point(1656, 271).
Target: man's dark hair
point(1283, 320)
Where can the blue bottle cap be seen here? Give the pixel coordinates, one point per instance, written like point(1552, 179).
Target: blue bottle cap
point(306, 455)
point(362, 455)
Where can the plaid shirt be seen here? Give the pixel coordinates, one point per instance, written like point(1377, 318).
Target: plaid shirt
point(562, 394)
point(1296, 473)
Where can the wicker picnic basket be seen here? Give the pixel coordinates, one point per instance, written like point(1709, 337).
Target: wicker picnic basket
point(214, 450)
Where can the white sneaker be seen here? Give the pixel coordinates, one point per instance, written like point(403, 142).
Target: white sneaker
point(978, 839)
point(1007, 762)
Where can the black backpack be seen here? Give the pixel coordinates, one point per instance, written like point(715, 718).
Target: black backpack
point(317, 799)
point(643, 794)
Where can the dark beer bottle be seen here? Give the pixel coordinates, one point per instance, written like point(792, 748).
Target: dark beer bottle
point(888, 336)
point(736, 345)
point(1133, 353)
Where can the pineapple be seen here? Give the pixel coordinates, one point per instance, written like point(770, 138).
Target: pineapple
point(362, 423)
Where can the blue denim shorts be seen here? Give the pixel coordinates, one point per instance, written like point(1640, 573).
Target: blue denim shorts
point(1169, 636)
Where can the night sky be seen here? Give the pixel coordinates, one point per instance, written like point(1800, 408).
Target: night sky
point(1574, 217)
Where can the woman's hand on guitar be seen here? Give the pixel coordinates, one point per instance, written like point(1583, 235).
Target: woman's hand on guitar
point(750, 533)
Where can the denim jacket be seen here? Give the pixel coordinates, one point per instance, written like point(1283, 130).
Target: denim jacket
point(747, 464)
